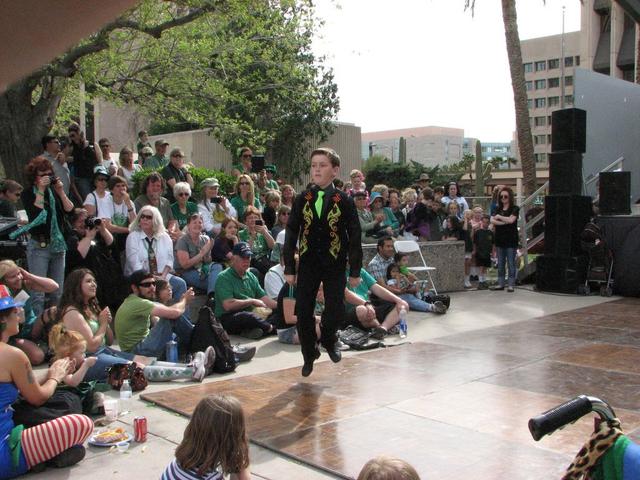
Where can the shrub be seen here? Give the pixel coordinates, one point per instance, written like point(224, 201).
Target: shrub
point(227, 181)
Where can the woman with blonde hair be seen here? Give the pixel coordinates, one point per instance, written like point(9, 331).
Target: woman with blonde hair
point(149, 248)
point(384, 467)
point(287, 195)
point(245, 195)
point(127, 167)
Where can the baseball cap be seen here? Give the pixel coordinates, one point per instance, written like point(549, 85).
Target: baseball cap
point(210, 182)
point(8, 302)
point(160, 142)
point(147, 150)
point(242, 250)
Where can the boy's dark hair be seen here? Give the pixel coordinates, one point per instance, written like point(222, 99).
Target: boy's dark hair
point(137, 277)
point(390, 269)
point(485, 216)
point(330, 153)
point(427, 193)
point(381, 241)
point(359, 193)
point(455, 222)
point(46, 139)
point(338, 183)
point(73, 127)
point(438, 190)
point(115, 180)
point(141, 133)
point(399, 256)
point(152, 177)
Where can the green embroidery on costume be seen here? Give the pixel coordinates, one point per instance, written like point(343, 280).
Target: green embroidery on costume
point(332, 217)
point(307, 215)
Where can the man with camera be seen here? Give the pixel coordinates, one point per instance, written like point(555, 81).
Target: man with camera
point(88, 246)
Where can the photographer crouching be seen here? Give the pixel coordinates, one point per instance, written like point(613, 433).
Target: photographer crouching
point(89, 245)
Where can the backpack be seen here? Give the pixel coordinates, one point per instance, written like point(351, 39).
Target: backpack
point(358, 339)
point(209, 332)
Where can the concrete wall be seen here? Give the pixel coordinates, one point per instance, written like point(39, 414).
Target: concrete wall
point(613, 122)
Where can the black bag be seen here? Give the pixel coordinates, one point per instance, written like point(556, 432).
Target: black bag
point(64, 401)
point(441, 297)
point(358, 339)
point(209, 332)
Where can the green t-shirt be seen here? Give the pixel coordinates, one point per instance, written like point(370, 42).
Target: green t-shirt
point(230, 285)
point(156, 161)
point(132, 321)
point(240, 205)
point(259, 246)
point(362, 290)
point(182, 217)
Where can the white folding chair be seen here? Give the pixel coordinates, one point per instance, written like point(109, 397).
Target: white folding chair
point(411, 246)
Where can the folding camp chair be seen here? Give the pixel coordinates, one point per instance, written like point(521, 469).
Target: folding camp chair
point(411, 246)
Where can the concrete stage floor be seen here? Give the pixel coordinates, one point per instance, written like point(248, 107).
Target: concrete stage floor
point(488, 365)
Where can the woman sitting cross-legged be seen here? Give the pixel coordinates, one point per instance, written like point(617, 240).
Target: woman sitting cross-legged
point(79, 312)
point(149, 248)
point(193, 251)
point(58, 442)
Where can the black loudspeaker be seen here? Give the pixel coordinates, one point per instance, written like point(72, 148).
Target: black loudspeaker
point(569, 130)
point(560, 274)
point(565, 216)
point(565, 173)
point(615, 193)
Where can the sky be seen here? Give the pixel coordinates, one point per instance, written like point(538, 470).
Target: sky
point(414, 63)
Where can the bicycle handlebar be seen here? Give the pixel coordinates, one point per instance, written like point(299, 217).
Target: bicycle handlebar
point(548, 422)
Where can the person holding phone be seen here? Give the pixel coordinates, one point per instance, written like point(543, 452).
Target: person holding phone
point(257, 236)
point(213, 207)
point(245, 196)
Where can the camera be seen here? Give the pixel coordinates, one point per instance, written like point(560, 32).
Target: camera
point(53, 179)
point(259, 222)
point(92, 222)
point(216, 200)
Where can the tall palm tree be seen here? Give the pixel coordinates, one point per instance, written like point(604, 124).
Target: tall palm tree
point(523, 128)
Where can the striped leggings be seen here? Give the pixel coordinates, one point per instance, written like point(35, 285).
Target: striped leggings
point(45, 441)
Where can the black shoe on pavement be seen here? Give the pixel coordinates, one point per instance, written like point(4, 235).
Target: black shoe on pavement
point(243, 353)
point(496, 288)
point(69, 457)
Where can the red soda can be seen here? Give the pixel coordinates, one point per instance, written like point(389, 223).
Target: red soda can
point(140, 429)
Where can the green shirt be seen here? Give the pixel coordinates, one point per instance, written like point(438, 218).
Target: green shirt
point(240, 205)
point(362, 290)
point(133, 321)
point(156, 161)
point(229, 285)
point(258, 245)
point(183, 217)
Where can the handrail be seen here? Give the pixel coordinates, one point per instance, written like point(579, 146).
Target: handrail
point(592, 177)
point(534, 195)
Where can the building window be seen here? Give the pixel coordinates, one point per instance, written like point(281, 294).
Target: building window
point(541, 84)
point(540, 121)
point(529, 104)
point(554, 101)
point(568, 61)
point(539, 139)
point(549, 138)
point(568, 81)
point(554, 63)
point(528, 67)
point(540, 102)
point(528, 85)
point(541, 65)
point(549, 120)
point(577, 60)
point(568, 99)
point(540, 157)
point(554, 82)
point(628, 75)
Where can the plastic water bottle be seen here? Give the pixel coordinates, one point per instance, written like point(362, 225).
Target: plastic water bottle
point(171, 351)
point(402, 325)
point(125, 396)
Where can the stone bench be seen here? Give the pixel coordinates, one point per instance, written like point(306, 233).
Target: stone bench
point(446, 256)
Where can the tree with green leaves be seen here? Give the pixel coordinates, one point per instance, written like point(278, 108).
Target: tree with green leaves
point(523, 128)
point(243, 68)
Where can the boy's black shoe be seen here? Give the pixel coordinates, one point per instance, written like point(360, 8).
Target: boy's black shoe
point(334, 352)
point(307, 368)
point(69, 457)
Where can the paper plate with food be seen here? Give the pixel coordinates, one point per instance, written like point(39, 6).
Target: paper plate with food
point(109, 437)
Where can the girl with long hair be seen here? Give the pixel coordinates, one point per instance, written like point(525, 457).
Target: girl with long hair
point(245, 195)
point(505, 222)
point(214, 443)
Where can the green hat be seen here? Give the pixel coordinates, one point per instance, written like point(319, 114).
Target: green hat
point(271, 168)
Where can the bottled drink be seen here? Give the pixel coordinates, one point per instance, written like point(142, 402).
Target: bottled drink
point(402, 325)
point(172, 349)
point(125, 396)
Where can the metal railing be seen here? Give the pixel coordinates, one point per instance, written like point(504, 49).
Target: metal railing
point(592, 178)
point(525, 226)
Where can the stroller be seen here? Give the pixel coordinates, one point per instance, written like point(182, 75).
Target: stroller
point(607, 455)
point(600, 267)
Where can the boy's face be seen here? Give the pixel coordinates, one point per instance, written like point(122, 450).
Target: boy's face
point(404, 261)
point(485, 223)
point(322, 172)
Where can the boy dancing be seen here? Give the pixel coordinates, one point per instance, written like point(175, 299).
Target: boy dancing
point(324, 223)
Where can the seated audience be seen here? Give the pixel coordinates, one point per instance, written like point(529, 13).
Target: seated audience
point(144, 156)
point(453, 195)
point(260, 241)
point(127, 167)
point(384, 257)
point(58, 442)
point(409, 292)
point(34, 328)
point(81, 319)
point(370, 226)
point(193, 252)
point(387, 468)
point(286, 319)
point(223, 244)
point(243, 164)
point(274, 279)
point(152, 189)
point(182, 208)
point(109, 164)
point(150, 248)
point(357, 184)
point(238, 293)
point(287, 195)
point(10, 192)
point(271, 205)
point(176, 172)
point(70, 344)
point(389, 222)
point(143, 142)
point(396, 208)
point(214, 207)
point(159, 159)
point(282, 218)
point(380, 314)
point(133, 319)
point(245, 196)
point(220, 420)
point(98, 203)
point(122, 212)
point(383, 190)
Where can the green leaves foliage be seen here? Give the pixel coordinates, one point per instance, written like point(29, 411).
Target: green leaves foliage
point(227, 182)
